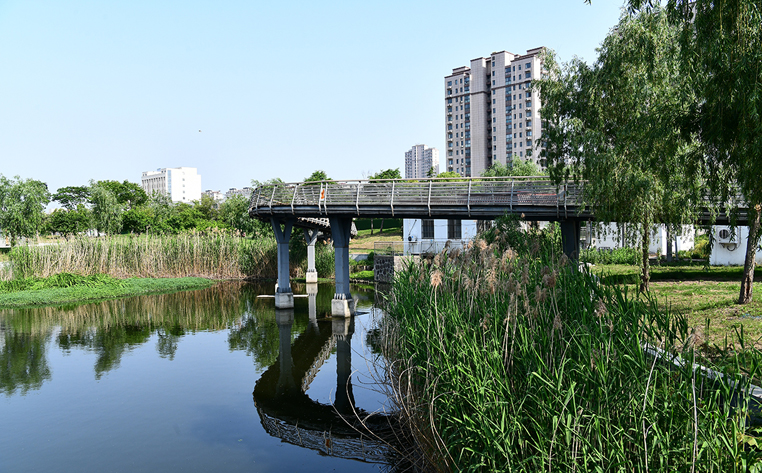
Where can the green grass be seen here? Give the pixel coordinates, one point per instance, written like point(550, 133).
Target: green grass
point(362, 275)
point(54, 291)
point(707, 297)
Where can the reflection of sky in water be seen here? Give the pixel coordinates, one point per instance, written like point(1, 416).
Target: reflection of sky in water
point(191, 411)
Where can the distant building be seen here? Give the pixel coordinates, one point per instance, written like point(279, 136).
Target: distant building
point(419, 160)
point(246, 192)
point(217, 196)
point(492, 114)
point(180, 184)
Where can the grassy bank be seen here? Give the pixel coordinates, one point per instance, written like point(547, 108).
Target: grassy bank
point(517, 362)
point(706, 296)
point(216, 255)
point(69, 288)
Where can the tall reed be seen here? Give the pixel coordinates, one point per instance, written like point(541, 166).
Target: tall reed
point(216, 255)
point(520, 362)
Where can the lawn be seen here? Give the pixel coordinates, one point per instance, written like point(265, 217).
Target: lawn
point(364, 241)
point(707, 296)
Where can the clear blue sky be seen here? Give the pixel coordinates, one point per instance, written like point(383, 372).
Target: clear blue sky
point(106, 89)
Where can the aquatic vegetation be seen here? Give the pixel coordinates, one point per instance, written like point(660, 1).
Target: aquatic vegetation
point(216, 255)
point(520, 361)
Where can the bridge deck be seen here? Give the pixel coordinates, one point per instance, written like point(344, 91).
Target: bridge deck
point(536, 198)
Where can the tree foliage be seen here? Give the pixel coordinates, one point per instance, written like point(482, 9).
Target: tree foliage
point(614, 124)
point(22, 207)
point(386, 174)
point(518, 167)
point(721, 54)
point(127, 193)
point(69, 222)
point(106, 209)
point(318, 175)
point(71, 196)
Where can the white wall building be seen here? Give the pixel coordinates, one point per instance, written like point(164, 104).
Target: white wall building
point(610, 236)
point(181, 184)
point(729, 249)
point(419, 160)
point(492, 113)
point(431, 236)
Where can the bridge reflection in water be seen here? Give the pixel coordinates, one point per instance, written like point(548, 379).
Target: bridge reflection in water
point(340, 429)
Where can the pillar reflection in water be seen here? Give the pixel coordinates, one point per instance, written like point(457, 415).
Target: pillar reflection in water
point(286, 383)
point(312, 290)
point(343, 329)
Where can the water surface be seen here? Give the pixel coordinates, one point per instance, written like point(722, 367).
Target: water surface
point(207, 380)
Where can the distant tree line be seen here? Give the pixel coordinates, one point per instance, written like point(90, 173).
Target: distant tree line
point(112, 207)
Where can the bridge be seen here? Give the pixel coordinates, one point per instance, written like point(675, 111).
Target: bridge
point(338, 202)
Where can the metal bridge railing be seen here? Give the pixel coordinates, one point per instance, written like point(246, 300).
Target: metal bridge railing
point(467, 192)
point(420, 247)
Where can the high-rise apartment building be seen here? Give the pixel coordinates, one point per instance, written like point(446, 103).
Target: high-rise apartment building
point(419, 160)
point(180, 184)
point(492, 113)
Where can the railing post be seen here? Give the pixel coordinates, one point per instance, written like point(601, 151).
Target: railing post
point(469, 196)
point(357, 200)
point(294, 197)
point(513, 181)
point(272, 197)
point(429, 204)
point(391, 200)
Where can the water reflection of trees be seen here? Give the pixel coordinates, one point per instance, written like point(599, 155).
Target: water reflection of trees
point(113, 328)
point(23, 365)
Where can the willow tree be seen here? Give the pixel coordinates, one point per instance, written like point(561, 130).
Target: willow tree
point(721, 53)
point(22, 207)
point(614, 124)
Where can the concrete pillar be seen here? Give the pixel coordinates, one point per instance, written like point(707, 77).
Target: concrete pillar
point(284, 297)
point(312, 290)
point(342, 304)
point(570, 238)
point(310, 236)
point(286, 383)
point(343, 329)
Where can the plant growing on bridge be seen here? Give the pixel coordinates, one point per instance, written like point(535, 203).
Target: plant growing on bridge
point(614, 125)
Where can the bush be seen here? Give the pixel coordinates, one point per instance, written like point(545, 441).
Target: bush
point(615, 256)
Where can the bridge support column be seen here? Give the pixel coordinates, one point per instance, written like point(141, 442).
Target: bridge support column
point(342, 304)
point(570, 238)
point(284, 297)
point(310, 236)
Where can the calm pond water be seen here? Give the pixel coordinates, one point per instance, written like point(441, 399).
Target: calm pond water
point(207, 380)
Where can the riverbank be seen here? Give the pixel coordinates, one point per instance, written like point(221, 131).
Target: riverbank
point(516, 362)
point(72, 289)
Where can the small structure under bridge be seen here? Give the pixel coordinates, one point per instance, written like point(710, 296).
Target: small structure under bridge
point(331, 206)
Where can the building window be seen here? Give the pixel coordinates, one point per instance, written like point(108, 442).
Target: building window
point(449, 83)
point(454, 231)
point(427, 229)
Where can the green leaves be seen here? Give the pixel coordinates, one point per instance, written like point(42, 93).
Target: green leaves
point(22, 207)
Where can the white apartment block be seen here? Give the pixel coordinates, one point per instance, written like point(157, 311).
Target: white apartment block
point(419, 160)
point(246, 192)
point(217, 196)
point(492, 113)
point(180, 184)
